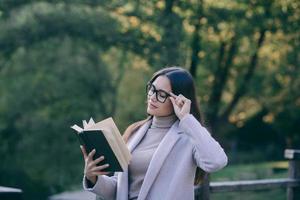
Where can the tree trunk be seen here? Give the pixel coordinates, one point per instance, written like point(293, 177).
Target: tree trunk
point(243, 87)
point(196, 47)
point(221, 76)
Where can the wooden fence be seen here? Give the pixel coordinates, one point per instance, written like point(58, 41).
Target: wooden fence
point(291, 183)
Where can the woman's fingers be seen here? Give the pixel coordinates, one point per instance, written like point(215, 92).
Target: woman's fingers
point(181, 104)
point(98, 160)
point(83, 152)
point(100, 168)
point(179, 100)
point(89, 158)
point(95, 162)
point(173, 95)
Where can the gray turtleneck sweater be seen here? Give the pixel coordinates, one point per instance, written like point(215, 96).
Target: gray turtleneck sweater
point(142, 154)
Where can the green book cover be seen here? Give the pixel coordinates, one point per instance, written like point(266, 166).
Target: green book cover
point(91, 139)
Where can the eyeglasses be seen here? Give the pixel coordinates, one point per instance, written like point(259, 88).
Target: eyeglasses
point(160, 95)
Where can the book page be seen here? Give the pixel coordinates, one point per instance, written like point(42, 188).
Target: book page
point(112, 128)
point(77, 128)
point(120, 140)
point(114, 146)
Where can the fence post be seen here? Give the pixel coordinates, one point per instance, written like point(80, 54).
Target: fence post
point(204, 191)
point(293, 193)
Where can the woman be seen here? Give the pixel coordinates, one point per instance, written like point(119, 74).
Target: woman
point(166, 148)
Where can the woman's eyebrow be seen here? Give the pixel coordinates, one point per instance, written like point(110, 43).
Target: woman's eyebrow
point(159, 89)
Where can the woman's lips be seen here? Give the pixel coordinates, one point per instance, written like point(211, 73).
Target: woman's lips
point(152, 106)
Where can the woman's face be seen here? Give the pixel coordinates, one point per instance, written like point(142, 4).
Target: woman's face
point(156, 107)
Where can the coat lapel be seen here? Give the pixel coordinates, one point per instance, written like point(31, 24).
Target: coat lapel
point(122, 184)
point(158, 159)
point(138, 136)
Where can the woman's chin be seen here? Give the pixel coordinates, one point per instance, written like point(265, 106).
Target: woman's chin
point(150, 111)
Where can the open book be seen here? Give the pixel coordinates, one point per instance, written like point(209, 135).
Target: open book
point(106, 139)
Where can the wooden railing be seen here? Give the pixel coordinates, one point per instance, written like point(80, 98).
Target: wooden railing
point(7, 193)
point(291, 183)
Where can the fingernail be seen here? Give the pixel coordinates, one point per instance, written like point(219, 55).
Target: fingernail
point(102, 157)
point(107, 165)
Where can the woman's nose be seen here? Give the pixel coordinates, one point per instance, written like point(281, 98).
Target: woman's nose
point(153, 97)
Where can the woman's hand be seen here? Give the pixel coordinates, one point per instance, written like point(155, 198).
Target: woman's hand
point(91, 170)
point(181, 105)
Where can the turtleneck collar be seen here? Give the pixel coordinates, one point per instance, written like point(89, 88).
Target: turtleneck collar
point(163, 122)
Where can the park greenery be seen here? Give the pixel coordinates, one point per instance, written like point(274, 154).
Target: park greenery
point(63, 61)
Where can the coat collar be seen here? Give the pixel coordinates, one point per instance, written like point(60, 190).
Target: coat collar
point(137, 137)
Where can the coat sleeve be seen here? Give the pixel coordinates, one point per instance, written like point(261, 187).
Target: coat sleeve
point(207, 152)
point(105, 187)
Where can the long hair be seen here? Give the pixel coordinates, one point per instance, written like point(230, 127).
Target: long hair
point(181, 83)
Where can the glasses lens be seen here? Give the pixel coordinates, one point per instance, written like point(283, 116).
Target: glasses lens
point(150, 89)
point(161, 96)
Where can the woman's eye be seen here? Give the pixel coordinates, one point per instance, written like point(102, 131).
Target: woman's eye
point(162, 94)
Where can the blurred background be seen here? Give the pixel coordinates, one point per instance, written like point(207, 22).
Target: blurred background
point(62, 61)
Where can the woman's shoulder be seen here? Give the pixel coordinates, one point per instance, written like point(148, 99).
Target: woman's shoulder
point(131, 129)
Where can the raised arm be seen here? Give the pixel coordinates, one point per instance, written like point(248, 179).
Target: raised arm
point(207, 152)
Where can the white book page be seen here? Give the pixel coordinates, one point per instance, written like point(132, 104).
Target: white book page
point(77, 128)
point(84, 124)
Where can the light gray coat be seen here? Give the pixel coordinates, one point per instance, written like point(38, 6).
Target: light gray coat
point(171, 172)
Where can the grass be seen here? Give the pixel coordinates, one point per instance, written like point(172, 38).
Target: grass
point(265, 170)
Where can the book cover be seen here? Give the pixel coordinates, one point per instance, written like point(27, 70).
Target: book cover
point(106, 139)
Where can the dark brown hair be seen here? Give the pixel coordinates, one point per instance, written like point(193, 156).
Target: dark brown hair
point(181, 83)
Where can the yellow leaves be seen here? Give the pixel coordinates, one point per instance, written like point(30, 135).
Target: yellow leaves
point(150, 30)
point(160, 4)
point(210, 78)
point(188, 27)
point(275, 50)
point(227, 96)
point(245, 109)
point(123, 9)
point(203, 20)
point(283, 80)
point(297, 103)
point(134, 21)
point(269, 118)
point(222, 25)
point(249, 13)
point(225, 31)
point(211, 35)
point(120, 10)
point(145, 28)
point(140, 64)
point(201, 54)
point(222, 4)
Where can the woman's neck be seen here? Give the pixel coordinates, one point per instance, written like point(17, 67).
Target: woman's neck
point(163, 121)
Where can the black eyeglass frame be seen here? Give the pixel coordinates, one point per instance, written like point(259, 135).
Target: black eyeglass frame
point(167, 94)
